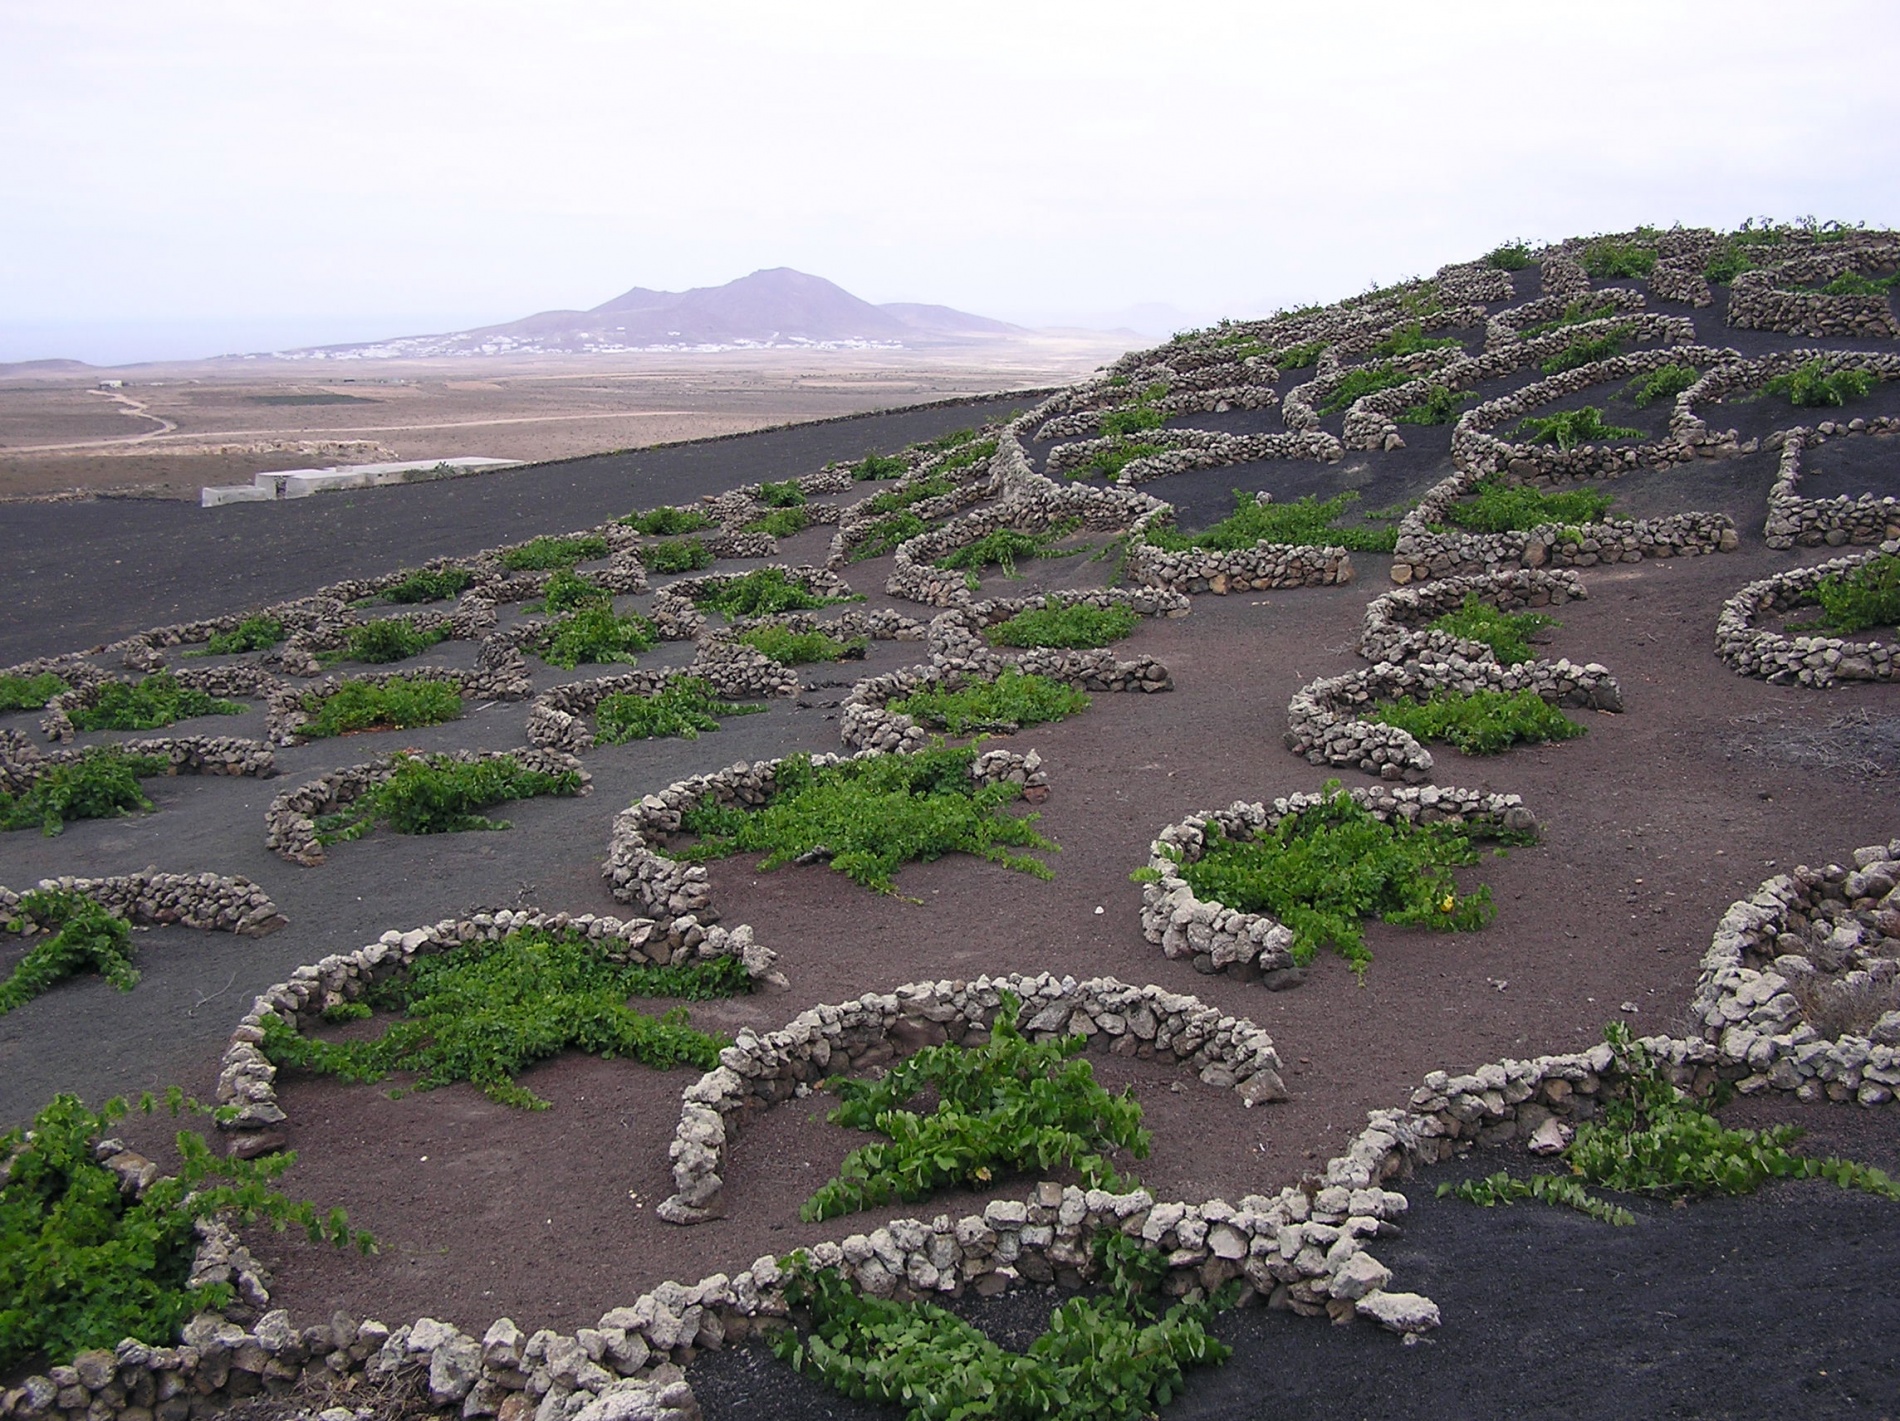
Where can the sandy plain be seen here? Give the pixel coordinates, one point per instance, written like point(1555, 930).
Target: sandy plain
point(168, 430)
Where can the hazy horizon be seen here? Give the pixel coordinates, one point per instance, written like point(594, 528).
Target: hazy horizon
point(204, 178)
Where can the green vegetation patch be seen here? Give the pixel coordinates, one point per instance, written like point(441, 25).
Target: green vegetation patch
point(426, 586)
point(1570, 428)
point(486, 1011)
point(1004, 1107)
point(103, 783)
point(895, 500)
point(1574, 314)
point(18, 693)
point(667, 522)
point(1607, 259)
point(436, 794)
point(1110, 459)
point(1813, 386)
point(781, 522)
point(1654, 1140)
point(1069, 625)
point(1509, 256)
point(1500, 507)
point(676, 555)
point(762, 593)
point(593, 635)
point(1508, 634)
point(390, 639)
point(879, 466)
point(1004, 705)
point(1305, 522)
point(1360, 381)
point(546, 553)
point(1587, 350)
point(1002, 547)
point(790, 648)
point(869, 817)
point(147, 704)
point(1480, 722)
point(682, 708)
point(1852, 283)
point(1298, 357)
point(1323, 870)
point(784, 495)
point(1410, 339)
point(397, 704)
point(568, 591)
point(968, 456)
point(1441, 405)
point(1665, 382)
point(1727, 262)
point(83, 937)
point(1862, 597)
point(258, 633)
point(1112, 1357)
point(84, 1265)
point(886, 534)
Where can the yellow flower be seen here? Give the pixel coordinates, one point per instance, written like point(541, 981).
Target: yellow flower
point(1446, 903)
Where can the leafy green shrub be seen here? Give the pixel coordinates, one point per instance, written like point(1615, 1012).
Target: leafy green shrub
point(1500, 507)
point(1006, 704)
point(1101, 1359)
point(19, 693)
point(1508, 634)
point(593, 635)
point(1665, 382)
point(1111, 459)
point(258, 633)
point(1305, 522)
point(83, 1265)
point(1811, 386)
point(1574, 314)
point(147, 704)
point(1360, 381)
point(884, 535)
point(879, 466)
point(1074, 625)
point(546, 553)
point(1729, 261)
point(1587, 350)
point(1001, 548)
point(423, 586)
point(83, 936)
point(1298, 357)
point(676, 555)
point(1006, 1106)
point(872, 816)
point(1324, 869)
point(762, 593)
point(103, 783)
point(785, 495)
point(397, 704)
point(1852, 283)
point(790, 648)
point(486, 1011)
point(390, 639)
point(568, 590)
point(1607, 258)
point(1862, 597)
point(1410, 339)
point(1441, 405)
point(1654, 1140)
point(781, 522)
point(682, 708)
point(1510, 256)
point(665, 522)
point(435, 794)
point(1480, 722)
point(895, 500)
point(1132, 419)
point(968, 456)
point(1569, 428)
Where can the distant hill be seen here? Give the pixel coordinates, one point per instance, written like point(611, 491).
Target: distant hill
point(43, 367)
point(774, 308)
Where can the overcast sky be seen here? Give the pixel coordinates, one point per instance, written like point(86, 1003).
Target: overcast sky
point(187, 178)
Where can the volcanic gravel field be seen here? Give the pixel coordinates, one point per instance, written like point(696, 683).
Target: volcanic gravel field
point(1705, 784)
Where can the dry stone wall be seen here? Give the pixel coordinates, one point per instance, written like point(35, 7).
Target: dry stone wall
point(212, 901)
point(1836, 522)
point(1798, 659)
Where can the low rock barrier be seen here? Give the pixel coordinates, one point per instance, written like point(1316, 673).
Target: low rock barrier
point(1798, 659)
point(215, 902)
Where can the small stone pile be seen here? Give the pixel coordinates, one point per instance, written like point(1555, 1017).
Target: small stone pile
point(214, 902)
point(1255, 945)
point(757, 1071)
point(1801, 660)
point(290, 824)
